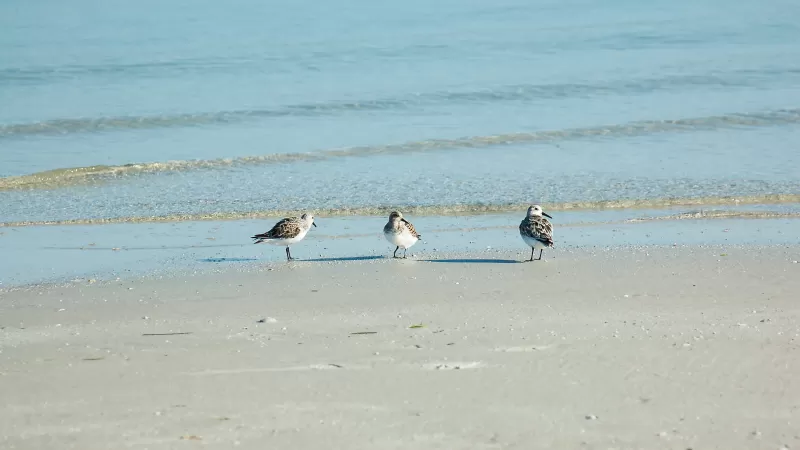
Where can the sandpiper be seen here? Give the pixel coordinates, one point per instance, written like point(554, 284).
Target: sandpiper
point(286, 232)
point(399, 232)
point(536, 231)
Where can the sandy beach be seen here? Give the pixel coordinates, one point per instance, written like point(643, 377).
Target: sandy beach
point(633, 347)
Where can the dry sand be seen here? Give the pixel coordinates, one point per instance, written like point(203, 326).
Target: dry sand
point(662, 348)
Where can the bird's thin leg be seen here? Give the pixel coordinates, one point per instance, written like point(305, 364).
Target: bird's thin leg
point(288, 254)
point(405, 250)
point(395, 251)
point(532, 250)
point(540, 254)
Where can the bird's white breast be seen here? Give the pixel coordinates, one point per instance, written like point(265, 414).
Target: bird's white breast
point(534, 243)
point(288, 241)
point(403, 239)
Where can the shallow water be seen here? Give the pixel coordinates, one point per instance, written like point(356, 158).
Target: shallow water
point(64, 253)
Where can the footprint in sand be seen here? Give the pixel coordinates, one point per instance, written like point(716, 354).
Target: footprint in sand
point(454, 365)
point(532, 348)
point(327, 366)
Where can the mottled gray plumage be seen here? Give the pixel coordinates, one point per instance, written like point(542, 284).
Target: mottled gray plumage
point(397, 224)
point(286, 232)
point(400, 233)
point(538, 228)
point(536, 231)
point(285, 229)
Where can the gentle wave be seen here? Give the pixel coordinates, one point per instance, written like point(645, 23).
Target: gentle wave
point(81, 175)
point(178, 66)
point(522, 92)
point(289, 63)
point(472, 209)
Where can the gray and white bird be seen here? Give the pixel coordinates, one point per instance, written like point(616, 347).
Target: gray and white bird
point(536, 231)
point(400, 233)
point(288, 231)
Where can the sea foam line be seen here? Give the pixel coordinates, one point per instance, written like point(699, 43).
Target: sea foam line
point(472, 209)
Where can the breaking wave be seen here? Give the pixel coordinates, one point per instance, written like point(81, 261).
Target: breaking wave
point(66, 177)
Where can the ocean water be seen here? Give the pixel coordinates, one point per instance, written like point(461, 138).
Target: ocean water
point(181, 110)
point(127, 112)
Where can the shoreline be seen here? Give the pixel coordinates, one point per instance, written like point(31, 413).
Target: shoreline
point(36, 255)
point(744, 206)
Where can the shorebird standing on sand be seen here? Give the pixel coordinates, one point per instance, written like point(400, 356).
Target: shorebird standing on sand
point(536, 231)
point(400, 232)
point(287, 232)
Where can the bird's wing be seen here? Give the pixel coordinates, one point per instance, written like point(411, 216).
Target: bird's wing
point(538, 228)
point(285, 228)
point(411, 228)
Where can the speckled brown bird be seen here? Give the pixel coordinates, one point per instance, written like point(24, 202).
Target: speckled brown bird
point(286, 232)
point(399, 232)
point(536, 231)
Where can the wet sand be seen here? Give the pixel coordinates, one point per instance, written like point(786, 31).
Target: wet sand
point(631, 347)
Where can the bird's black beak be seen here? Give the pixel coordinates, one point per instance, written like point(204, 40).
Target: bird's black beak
point(546, 215)
point(314, 223)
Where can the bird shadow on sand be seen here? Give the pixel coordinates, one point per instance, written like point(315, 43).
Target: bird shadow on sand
point(474, 261)
point(345, 258)
point(224, 260)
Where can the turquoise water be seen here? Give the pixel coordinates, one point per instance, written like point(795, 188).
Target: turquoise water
point(358, 105)
point(177, 111)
